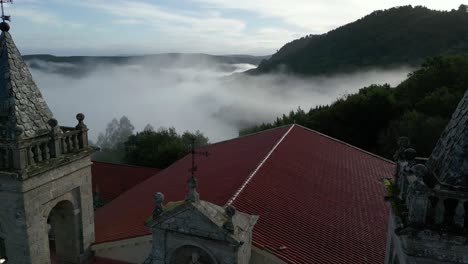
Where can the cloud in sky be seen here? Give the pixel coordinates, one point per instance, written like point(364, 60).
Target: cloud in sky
point(108, 27)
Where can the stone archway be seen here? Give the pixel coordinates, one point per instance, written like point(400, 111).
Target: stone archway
point(189, 254)
point(64, 239)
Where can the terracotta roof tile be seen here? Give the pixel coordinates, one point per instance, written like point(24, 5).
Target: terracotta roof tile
point(111, 180)
point(319, 199)
point(219, 176)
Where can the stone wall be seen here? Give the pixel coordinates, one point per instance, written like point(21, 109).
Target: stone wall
point(424, 247)
point(26, 205)
point(132, 250)
point(136, 250)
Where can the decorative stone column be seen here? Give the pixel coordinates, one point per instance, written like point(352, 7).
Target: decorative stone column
point(439, 212)
point(459, 217)
point(83, 136)
point(55, 148)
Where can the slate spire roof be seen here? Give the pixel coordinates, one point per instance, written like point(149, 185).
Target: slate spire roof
point(23, 111)
point(449, 159)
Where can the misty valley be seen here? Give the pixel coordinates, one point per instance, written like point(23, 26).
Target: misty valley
point(187, 91)
point(130, 143)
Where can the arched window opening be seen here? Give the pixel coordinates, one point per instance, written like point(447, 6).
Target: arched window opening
point(449, 214)
point(191, 254)
point(64, 241)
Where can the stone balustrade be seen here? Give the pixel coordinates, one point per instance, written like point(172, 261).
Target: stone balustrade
point(449, 212)
point(59, 142)
point(429, 203)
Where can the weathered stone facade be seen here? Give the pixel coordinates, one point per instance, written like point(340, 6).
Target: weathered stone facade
point(428, 222)
point(27, 205)
point(45, 173)
point(201, 232)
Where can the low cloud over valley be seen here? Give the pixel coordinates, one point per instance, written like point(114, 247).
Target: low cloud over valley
point(186, 93)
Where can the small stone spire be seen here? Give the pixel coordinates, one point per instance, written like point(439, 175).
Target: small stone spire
point(24, 111)
point(449, 159)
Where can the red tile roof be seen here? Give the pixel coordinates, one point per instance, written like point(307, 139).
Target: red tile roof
point(111, 180)
point(319, 199)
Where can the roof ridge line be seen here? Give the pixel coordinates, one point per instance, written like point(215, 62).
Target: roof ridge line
point(252, 174)
point(247, 135)
point(125, 165)
point(347, 144)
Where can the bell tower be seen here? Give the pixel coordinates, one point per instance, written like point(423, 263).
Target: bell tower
point(428, 221)
point(46, 205)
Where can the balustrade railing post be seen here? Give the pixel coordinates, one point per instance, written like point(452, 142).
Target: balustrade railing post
point(17, 157)
point(459, 217)
point(75, 142)
point(83, 135)
point(56, 139)
point(31, 155)
point(63, 144)
point(69, 144)
point(440, 211)
point(38, 151)
point(46, 151)
point(8, 156)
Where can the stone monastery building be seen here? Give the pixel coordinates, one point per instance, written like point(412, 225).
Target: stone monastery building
point(285, 195)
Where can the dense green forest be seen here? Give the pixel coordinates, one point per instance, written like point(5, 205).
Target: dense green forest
point(373, 119)
point(151, 148)
point(398, 36)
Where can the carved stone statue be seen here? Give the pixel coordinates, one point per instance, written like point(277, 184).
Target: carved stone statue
point(229, 225)
point(158, 209)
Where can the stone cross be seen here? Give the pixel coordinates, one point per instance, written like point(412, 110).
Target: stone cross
point(192, 194)
point(4, 17)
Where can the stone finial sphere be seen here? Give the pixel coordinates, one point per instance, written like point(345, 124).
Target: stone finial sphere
point(159, 197)
point(4, 26)
point(80, 117)
point(230, 211)
point(52, 122)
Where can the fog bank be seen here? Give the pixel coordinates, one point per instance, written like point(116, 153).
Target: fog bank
point(199, 97)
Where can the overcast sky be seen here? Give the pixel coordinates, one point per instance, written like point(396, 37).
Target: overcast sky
point(116, 27)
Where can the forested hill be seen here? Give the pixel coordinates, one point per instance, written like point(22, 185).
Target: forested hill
point(398, 36)
point(373, 119)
